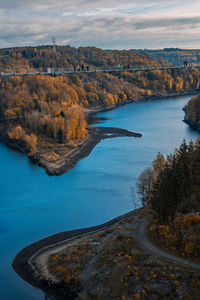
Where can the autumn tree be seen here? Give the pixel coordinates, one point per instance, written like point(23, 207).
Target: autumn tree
point(145, 185)
point(31, 141)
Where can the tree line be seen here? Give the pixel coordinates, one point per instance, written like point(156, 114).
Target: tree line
point(192, 112)
point(172, 189)
point(53, 107)
point(172, 185)
point(67, 57)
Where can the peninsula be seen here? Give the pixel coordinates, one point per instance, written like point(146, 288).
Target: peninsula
point(44, 116)
point(149, 253)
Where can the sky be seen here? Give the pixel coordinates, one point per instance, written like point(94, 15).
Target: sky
point(108, 24)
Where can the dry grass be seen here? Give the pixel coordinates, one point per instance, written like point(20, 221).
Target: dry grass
point(109, 265)
point(179, 236)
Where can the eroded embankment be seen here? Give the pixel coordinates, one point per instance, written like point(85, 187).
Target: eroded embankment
point(65, 157)
point(68, 161)
point(69, 156)
point(111, 261)
point(26, 264)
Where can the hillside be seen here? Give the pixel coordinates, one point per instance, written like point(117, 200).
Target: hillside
point(192, 112)
point(175, 56)
point(66, 57)
point(172, 188)
point(109, 261)
point(45, 116)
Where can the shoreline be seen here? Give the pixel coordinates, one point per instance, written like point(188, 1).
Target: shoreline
point(192, 125)
point(26, 265)
point(32, 263)
point(21, 262)
point(95, 134)
point(68, 161)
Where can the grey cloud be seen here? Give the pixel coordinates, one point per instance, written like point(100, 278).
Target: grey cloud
point(74, 5)
point(28, 27)
point(168, 22)
point(83, 31)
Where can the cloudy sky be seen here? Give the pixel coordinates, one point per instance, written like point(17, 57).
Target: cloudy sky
point(107, 24)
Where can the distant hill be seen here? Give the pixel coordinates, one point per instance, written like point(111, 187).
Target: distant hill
point(39, 113)
point(175, 56)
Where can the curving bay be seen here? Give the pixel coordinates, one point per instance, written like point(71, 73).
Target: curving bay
point(34, 205)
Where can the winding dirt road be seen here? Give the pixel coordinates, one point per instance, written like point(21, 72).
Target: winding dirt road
point(147, 245)
point(31, 262)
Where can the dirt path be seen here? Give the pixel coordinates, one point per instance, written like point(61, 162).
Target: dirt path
point(28, 263)
point(31, 262)
point(147, 245)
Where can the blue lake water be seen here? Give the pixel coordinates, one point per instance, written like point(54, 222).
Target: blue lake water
point(34, 205)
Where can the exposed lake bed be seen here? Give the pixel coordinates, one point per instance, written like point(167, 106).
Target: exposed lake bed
point(110, 261)
point(69, 160)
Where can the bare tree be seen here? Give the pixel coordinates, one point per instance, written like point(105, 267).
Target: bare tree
point(145, 185)
point(133, 197)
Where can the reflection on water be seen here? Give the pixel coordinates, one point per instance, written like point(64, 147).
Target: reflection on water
point(34, 205)
point(96, 120)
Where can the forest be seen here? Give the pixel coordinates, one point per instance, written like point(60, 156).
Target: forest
point(175, 56)
point(34, 108)
point(66, 57)
point(192, 112)
point(171, 188)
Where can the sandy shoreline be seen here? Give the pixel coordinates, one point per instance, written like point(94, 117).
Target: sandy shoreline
point(27, 263)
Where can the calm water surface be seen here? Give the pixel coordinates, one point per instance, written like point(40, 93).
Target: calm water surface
point(34, 205)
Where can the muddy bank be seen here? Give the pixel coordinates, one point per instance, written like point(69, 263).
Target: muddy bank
point(26, 266)
point(68, 156)
point(112, 261)
point(68, 161)
point(58, 159)
point(95, 134)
